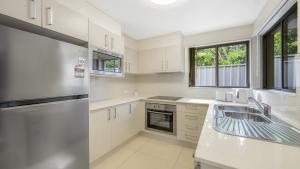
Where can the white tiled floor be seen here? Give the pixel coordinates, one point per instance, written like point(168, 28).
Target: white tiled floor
point(145, 152)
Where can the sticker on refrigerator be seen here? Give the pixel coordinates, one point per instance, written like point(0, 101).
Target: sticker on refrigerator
point(79, 68)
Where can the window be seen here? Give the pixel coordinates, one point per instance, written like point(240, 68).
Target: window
point(224, 65)
point(280, 49)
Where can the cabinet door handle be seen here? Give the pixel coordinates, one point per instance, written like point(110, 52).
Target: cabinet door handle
point(130, 109)
point(129, 66)
point(112, 43)
point(167, 65)
point(32, 9)
point(106, 41)
point(115, 116)
point(109, 118)
point(49, 16)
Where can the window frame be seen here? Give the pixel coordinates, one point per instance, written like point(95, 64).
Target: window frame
point(217, 46)
point(280, 24)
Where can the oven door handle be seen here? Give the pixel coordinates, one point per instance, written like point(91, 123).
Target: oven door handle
point(169, 114)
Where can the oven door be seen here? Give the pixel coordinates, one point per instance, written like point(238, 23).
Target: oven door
point(160, 120)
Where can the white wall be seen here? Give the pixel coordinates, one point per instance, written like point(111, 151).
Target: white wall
point(176, 84)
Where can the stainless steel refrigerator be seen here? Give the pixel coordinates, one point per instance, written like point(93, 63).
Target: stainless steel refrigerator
point(43, 102)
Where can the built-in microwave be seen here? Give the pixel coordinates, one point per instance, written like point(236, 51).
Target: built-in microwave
point(103, 62)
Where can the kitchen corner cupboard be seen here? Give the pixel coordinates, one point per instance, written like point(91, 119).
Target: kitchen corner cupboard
point(111, 127)
point(49, 14)
point(161, 60)
point(104, 39)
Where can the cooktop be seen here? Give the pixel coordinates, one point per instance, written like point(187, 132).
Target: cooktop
point(169, 98)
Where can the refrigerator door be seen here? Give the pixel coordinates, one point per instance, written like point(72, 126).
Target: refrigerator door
point(34, 66)
point(45, 136)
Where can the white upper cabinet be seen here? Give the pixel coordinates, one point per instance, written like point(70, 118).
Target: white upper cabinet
point(116, 43)
point(25, 10)
point(61, 19)
point(160, 60)
point(174, 60)
point(104, 39)
point(131, 61)
point(98, 36)
point(161, 54)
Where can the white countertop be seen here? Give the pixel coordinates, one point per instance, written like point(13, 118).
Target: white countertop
point(228, 151)
point(112, 102)
point(118, 101)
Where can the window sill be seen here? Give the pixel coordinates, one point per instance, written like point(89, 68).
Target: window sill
point(282, 92)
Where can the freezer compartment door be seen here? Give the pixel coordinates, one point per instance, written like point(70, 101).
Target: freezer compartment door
point(47, 136)
point(33, 66)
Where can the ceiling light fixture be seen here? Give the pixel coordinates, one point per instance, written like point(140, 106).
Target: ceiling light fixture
point(163, 2)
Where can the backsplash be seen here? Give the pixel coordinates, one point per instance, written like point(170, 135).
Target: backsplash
point(102, 88)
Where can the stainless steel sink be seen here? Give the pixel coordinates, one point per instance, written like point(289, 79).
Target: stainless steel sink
point(252, 123)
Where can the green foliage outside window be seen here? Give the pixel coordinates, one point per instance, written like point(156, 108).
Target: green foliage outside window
point(228, 55)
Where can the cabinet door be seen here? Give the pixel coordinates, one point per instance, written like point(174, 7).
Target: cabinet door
point(116, 43)
point(131, 61)
point(174, 61)
point(25, 10)
point(100, 134)
point(61, 19)
point(120, 124)
point(151, 61)
point(98, 36)
point(137, 123)
point(158, 60)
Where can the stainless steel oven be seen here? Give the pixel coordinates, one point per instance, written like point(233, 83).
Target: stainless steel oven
point(161, 117)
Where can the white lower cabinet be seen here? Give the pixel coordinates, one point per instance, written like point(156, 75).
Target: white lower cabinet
point(100, 133)
point(120, 124)
point(112, 126)
point(190, 119)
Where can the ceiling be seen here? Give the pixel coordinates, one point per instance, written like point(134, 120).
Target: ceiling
point(141, 19)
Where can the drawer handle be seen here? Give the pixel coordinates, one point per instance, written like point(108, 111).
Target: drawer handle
point(189, 117)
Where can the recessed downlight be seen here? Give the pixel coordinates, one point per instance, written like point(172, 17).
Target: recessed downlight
point(163, 2)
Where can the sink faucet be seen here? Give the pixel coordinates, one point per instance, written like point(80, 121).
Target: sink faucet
point(265, 108)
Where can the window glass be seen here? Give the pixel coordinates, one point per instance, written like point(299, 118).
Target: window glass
point(280, 49)
point(205, 67)
point(222, 65)
point(277, 58)
point(232, 65)
point(290, 46)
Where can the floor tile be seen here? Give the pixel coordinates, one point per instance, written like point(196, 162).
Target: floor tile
point(182, 167)
point(162, 149)
point(136, 143)
point(114, 160)
point(145, 161)
point(186, 158)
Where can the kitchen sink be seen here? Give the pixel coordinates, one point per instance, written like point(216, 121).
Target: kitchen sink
point(250, 122)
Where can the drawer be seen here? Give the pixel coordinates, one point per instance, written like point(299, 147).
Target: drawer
point(194, 128)
point(190, 137)
point(192, 107)
point(190, 118)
